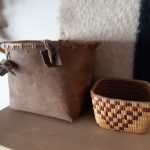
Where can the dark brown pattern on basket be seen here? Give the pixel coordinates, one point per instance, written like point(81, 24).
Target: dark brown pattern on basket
point(116, 115)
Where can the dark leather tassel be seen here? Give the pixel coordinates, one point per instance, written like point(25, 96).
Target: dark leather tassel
point(6, 66)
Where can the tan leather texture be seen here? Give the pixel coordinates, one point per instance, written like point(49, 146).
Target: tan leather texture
point(2, 50)
point(58, 90)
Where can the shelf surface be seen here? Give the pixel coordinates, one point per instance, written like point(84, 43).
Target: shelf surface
point(26, 131)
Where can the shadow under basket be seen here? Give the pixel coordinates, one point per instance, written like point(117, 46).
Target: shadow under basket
point(122, 105)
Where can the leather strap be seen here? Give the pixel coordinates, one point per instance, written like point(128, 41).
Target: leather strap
point(50, 55)
point(7, 66)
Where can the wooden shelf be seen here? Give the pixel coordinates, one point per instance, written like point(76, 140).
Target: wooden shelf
point(25, 131)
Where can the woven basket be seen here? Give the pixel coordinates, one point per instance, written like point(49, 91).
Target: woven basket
point(122, 105)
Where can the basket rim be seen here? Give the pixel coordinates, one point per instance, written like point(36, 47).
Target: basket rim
point(142, 82)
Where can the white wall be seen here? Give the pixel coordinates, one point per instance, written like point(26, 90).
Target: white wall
point(27, 20)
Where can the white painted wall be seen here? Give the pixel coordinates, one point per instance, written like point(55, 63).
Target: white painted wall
point(27, 20)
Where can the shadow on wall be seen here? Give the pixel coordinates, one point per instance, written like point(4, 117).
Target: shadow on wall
point(3, 23)
point(114, 59)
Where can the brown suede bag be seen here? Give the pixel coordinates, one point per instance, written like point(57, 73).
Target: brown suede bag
point(51, 78)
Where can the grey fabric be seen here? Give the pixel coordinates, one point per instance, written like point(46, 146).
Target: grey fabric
point(113, 22)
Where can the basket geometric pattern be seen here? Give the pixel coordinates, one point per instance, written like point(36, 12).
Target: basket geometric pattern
point(121, 115)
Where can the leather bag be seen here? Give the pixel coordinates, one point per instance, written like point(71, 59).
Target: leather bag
point(51, 78)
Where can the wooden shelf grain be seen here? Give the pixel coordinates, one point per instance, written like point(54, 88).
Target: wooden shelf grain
point(26, 131)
